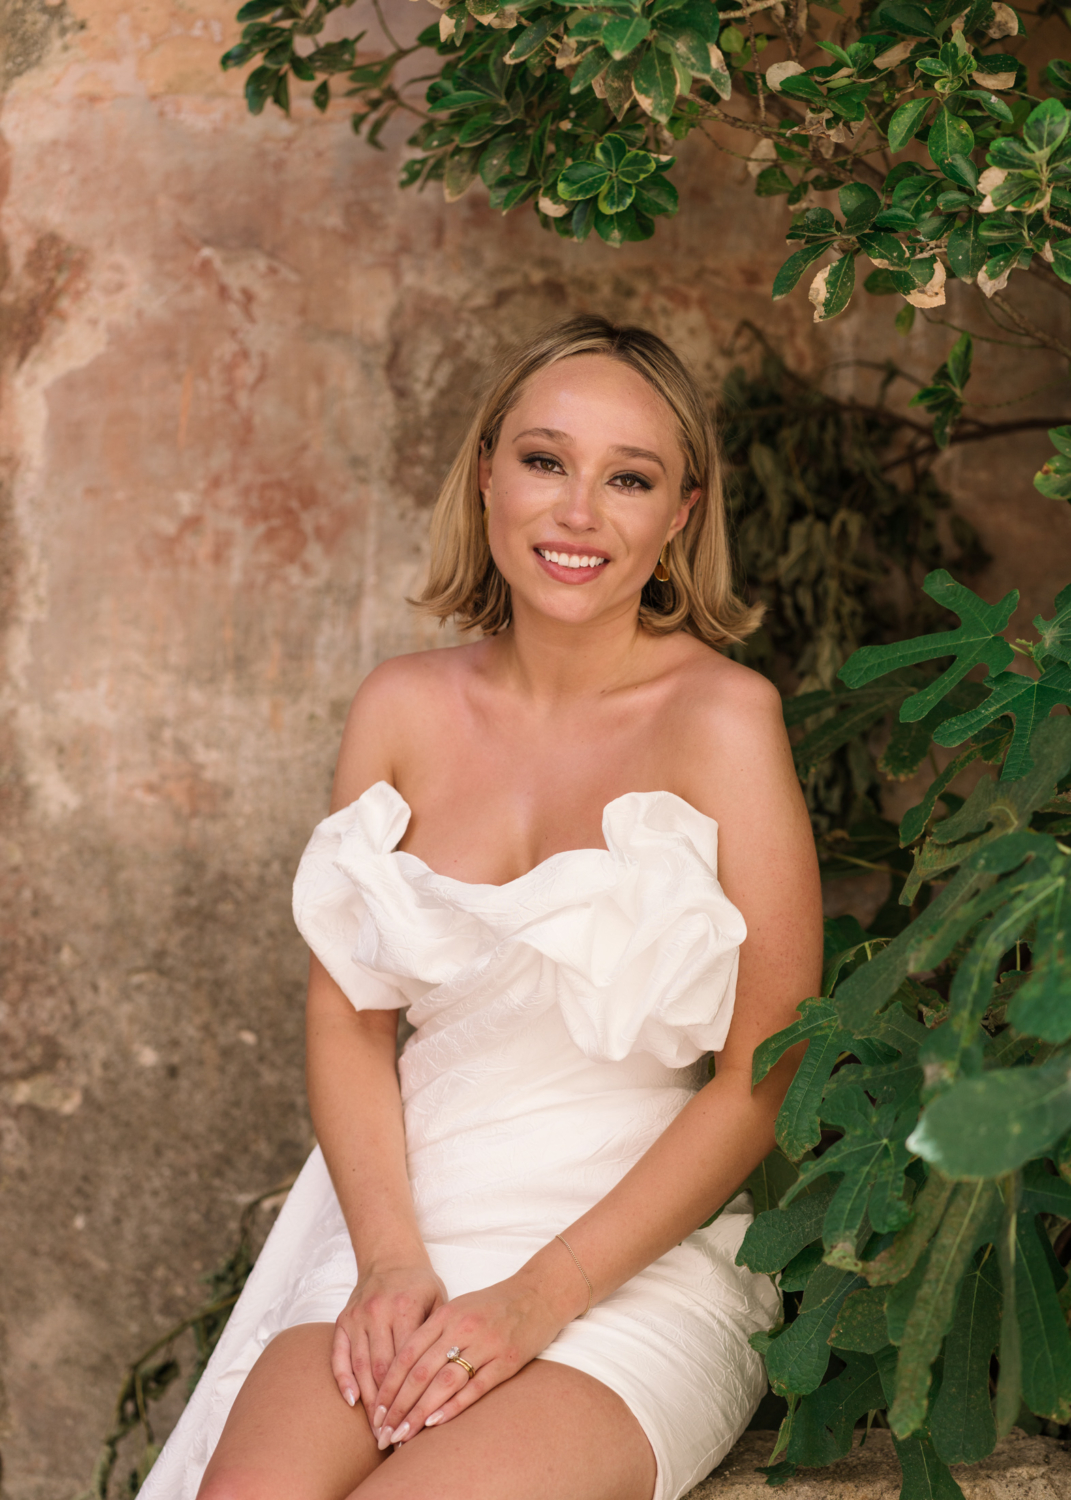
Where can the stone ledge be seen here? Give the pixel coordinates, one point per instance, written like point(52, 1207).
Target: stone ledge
point(1020, 1468)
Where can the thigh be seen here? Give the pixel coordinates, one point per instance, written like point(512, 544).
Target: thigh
point(551, 1431)
point(290, 1435)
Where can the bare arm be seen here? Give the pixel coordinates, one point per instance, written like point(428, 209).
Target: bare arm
point(356, 1111)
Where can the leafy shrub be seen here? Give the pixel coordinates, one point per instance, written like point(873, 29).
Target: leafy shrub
point(919, 1203)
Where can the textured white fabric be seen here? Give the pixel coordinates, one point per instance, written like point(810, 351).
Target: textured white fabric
point(559, 1020)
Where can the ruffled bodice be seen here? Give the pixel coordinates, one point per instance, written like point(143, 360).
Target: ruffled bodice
point(636, 945)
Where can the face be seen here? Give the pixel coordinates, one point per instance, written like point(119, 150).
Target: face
point(583, 489)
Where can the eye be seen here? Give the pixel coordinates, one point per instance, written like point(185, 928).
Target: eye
point(631, 481)
point(541, 463)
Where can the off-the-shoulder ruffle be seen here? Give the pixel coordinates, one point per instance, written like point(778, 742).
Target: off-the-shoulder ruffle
point(636, 943)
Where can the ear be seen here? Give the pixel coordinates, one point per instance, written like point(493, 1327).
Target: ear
point(684, 511)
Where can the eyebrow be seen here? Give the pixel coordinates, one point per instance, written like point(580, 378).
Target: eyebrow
point(557, 436)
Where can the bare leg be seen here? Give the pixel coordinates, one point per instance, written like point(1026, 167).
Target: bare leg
point(551, 1431)
point(290, 1435)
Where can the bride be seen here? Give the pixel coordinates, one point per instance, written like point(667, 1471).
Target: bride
point(575, 852)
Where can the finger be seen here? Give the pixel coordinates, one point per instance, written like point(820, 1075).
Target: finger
point(423, 1392)
point(381, 1349)
point(342, 1367)
point(493, 1373)
point(415, 1355)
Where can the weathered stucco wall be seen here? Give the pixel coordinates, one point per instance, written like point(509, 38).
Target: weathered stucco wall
point(235, 359)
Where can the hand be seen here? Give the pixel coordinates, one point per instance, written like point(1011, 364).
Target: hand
point(498, 1331)
point(386, 1308)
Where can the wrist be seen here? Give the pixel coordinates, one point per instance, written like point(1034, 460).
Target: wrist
point(555, 1278)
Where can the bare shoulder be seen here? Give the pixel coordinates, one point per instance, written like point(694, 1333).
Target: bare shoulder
point(728, 735)
point(395, 701)
point(720, 700)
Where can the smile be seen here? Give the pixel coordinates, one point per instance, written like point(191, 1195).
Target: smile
point(572, 559)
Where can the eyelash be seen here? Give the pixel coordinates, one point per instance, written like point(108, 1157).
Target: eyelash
point(632, 481)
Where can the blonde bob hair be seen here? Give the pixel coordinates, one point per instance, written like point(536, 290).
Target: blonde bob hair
point(463, 581)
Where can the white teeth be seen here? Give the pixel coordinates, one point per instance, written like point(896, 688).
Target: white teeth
point(571, 560)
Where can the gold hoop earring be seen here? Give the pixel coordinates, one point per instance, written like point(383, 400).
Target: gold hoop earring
point(661, 571)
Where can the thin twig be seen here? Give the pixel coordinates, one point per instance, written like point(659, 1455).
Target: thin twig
point(386, 29)
point(975, 434)
point(1048, 340)
point(1047, 276)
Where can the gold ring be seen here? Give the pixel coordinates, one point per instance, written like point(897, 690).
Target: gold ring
point(453, 1357)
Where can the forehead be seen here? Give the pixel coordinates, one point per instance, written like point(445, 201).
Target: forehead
point(592, 396)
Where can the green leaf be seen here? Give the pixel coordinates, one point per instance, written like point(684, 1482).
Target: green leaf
point(984, 1127)
point(977, 641)
point(961, 1420)
point(959, 361)
point(905, 122)
point(259, 88)
point(801, 86)
point(993, 104)
point(789, 274)
point(656, 84)
point(1046, 126)
point(797, 1358)
point(1053, 480)
point(949, 136)
point(773, 1176)
point(1055, 634)
point(657, 195)
point(823, 1423)
point(925, 1476)
point(838, 288)
point(860, 206)
point(618, 83)
point(1028, 700)
point(582, 179)
point(1043, 1192)
point(966, 249)
point(616, 196)
point(461, 169)
point(533, 37)
point(901, 1257)
point(909, 743)
point(1046, 1344)
point(872, 1156)
point(636, 167)
point(968, 1219)
point(995, 809)
point(624, 35)
point(797, 1128)
point(926, 941)
point(1061, 264)
point(773, 1238)
point(861, 1325)
point(591, 66)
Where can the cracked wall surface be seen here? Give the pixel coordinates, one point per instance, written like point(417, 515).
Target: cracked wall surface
point(234, 358)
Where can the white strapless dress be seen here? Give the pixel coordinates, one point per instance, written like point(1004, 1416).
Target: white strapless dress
point(560, 1022)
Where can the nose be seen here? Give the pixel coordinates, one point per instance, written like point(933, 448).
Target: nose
point(577, 504)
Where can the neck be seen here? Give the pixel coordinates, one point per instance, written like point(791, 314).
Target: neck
point(550, 660)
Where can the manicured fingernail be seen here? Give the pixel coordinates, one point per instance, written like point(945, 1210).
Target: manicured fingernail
point(377, 1420)
point(384, 1439)
point(350, 1398)
point(434, 1420)
point(400, 1434)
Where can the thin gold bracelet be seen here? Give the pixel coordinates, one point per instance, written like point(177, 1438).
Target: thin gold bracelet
point(580, 1268)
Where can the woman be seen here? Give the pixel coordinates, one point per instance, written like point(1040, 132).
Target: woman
point(497, 1287)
